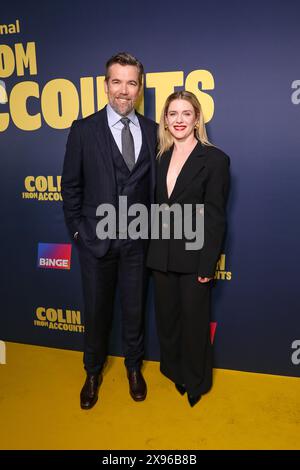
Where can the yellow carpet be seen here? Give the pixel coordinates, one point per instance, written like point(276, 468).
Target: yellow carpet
point(39, 408)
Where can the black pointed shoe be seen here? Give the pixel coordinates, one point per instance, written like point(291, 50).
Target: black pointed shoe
point(193, 399)
point(137, 385)
point(181, 388)
point(89, 392)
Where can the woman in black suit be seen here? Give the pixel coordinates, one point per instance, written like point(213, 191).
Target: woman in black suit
point(191, 173)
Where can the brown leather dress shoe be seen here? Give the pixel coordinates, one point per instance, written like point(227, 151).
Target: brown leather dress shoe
point(137, 385)
point(89, 392)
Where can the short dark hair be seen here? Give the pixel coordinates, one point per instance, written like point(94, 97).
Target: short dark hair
point(124, 58)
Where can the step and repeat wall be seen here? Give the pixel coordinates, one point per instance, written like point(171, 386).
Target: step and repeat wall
point(242, 61)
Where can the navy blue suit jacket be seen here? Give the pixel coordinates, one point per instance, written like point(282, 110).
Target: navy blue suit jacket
point(88, 177)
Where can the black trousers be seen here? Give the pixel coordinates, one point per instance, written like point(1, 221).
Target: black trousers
point(123, 263)
point(183, 324)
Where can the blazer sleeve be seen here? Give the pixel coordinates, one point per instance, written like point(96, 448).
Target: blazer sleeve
point(216, 194)
point(72, 180)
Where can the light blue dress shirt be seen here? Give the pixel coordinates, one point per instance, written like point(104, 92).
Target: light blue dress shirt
point(116, 127)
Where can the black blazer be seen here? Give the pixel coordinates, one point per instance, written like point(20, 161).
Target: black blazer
point(204, 179)
point(88, 177)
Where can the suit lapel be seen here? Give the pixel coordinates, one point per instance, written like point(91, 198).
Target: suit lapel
point(148, 134)
point(101, 130)
point(151, 143)
point(191, 168)
point(163, 167)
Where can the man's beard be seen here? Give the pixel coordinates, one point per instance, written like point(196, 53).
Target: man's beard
point(122, 110)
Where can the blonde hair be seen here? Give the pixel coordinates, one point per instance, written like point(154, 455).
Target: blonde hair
point(165, 139)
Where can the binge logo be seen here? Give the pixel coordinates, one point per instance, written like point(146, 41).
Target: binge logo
point(2, 353)
point(54, 256)
point(221, 273)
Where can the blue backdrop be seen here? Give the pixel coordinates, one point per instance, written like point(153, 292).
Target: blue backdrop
point(242, 60)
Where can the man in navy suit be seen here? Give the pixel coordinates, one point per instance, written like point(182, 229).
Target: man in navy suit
point(111, 154)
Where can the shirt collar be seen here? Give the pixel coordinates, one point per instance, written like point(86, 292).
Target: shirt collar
point(113, 117)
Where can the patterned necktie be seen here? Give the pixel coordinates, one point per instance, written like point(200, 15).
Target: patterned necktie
point(127, 144)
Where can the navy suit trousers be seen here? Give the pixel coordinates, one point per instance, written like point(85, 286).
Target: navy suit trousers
point(123, 264)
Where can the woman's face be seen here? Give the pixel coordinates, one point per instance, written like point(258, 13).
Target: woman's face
point(181, 119)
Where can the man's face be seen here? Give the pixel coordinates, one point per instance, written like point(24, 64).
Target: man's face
point(122, 87)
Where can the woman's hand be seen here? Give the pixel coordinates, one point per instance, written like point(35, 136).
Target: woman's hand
point(203, 280)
